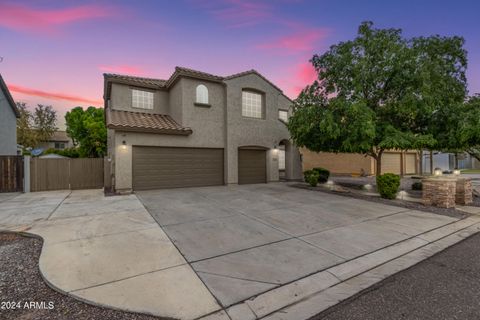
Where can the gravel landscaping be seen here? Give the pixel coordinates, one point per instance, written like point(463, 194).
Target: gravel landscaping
point(21, 286)
point(355, 193)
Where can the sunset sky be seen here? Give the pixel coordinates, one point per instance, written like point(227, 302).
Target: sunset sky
point(54, 52)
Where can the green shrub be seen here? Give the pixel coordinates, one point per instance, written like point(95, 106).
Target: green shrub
point(323, 174)
point(387, 185)
point(68, 152)
point(417, 185)
point(311, 177)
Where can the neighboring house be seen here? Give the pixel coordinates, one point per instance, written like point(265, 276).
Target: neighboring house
point(196, 129)
point(446, 161)
point(8, 121)
point(353, 163)
point(59, 141)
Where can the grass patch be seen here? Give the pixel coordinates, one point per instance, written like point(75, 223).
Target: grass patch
point(470, 171)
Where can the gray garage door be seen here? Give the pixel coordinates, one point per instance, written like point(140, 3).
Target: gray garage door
point(252, 166)
point(162, 167)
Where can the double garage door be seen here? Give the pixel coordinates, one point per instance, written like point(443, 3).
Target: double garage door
point(392, 163)
point(169, 167)
point(164, 167)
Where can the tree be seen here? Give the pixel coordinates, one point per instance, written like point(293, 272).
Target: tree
point(45, 122)
point(87, 130)
point(26, 135)
point(379, 92)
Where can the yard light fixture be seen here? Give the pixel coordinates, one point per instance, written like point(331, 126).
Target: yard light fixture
point(437, 172)
point(456, 172)
point(124, 145)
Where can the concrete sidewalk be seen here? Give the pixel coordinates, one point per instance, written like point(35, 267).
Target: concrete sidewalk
point(110, 252)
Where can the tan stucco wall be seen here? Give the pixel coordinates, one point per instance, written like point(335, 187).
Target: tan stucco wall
point(219, 126)
point(266, 133)
point(340, 163)
point(349, 163)
point(8, 128)
point(121, 99)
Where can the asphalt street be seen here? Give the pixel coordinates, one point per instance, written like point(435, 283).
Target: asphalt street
point(445, 286)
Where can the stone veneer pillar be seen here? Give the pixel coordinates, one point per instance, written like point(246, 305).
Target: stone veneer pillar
point(464, 191)
point(439, 192)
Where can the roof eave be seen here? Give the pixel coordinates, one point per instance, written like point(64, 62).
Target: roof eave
point(184, 132)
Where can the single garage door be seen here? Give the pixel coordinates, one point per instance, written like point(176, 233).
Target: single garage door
point(391, 163)
point(410, 163)
point(252, 166)
point(164, 167)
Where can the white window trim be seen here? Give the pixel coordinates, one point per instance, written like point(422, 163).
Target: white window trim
point(142, 99)
point(201, 94)
point(250, 106)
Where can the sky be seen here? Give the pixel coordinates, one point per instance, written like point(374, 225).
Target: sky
point(55, 52)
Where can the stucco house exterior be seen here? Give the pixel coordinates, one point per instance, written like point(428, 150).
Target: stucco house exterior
point(59, 141)
point(197, 129)
point(8, 121)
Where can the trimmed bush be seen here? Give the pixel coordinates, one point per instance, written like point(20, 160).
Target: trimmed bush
point(311, 177)
point(417, 185)
point(387, 185)
point(323, 174)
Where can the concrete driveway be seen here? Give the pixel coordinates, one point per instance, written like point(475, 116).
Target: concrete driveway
point(245, 240)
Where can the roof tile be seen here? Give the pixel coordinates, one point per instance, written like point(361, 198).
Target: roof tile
point(147, 122)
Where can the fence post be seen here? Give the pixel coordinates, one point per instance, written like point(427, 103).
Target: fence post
point(26, 173)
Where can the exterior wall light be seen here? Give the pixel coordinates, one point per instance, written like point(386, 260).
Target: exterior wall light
point(456, 172)
point(437, 173)
point(124, 145)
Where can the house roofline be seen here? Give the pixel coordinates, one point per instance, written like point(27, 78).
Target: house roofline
point(179, 72)
point(9, 97)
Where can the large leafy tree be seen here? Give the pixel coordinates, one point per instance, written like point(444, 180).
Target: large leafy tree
point(26, 135)
point(36, 126)
point(459, 131)
point(379, 91)
point(87, 130)
point(45, 121)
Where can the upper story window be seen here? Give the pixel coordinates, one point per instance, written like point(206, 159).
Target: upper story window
point(252, 104)
point(142, 99)
point(202, 94)
point(283, 115)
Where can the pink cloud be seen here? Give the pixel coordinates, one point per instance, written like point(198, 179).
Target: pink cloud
point(52, 95)
point(304, 40)
point(237, 13)
point(123, 69)
point(298, 78)
point(27, 19)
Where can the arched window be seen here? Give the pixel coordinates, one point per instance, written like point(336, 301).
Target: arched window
point(202, 94)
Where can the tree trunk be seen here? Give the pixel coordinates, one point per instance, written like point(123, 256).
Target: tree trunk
point(431, 162)
point(456, 161)
point(378, 160)
point(420, 162)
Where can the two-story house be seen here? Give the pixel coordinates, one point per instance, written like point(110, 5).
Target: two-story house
point(8, 122)
point(197, 129)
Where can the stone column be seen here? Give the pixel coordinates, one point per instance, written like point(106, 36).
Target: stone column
point(439, 192)
point(464, 191)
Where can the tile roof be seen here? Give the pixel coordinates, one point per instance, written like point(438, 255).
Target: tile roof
point(144, 122)
point(59, 136)
point(179, 71)
point(132, 79)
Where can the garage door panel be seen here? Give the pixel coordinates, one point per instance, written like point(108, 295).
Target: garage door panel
point(252, 166)
point(410, 163)
point(391, 163)
point(165, 167)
